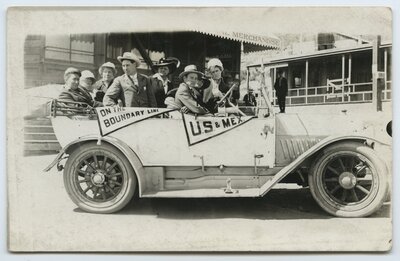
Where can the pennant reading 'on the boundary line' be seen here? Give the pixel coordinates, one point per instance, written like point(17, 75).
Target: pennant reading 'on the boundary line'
point(114, 118)
point(202, 128)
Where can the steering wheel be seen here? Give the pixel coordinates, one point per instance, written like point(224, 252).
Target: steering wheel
point(227, 94)
point(225, 99)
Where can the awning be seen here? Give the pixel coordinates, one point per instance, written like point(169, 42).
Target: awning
point(269, 41)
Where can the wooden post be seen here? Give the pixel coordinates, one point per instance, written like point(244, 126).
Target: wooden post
point(376, 88)
point(350, 68)
point(248, 79)
point(343, 69)
point(385, 68)
point(306, 80)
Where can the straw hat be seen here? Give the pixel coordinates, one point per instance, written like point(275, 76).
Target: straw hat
point(190, 69)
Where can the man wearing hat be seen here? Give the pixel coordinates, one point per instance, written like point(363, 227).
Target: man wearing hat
point(160, 83)
point(189, 92)
point(131, 89)
point(107, 72)
point(281, 89)
point(249, 99)
point(73, 92)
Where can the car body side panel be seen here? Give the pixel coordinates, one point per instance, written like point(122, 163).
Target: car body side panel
point(163, 142)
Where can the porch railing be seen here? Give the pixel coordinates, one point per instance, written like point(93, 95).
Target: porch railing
point(329, 94)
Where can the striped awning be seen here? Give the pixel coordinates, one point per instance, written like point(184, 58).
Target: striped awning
point(269, 41)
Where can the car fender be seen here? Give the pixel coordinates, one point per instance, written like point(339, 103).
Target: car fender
point(120, 145)
point(380, 146)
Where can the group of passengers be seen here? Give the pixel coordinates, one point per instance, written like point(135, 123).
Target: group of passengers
point(196, 94)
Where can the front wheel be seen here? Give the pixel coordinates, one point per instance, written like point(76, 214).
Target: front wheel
point(99, 179)
point(349, 180)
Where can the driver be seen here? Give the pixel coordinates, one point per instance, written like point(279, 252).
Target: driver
point(218, 88)
point(188, 96)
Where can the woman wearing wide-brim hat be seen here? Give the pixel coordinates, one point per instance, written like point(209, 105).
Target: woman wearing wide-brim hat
point(160, 81)
point(189, 94)
point(107, 71)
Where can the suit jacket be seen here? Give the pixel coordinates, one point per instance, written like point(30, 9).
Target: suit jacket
point(159, 91)
point(190, 98)
point(281, 86)
point(78, 95)
point(131, 96)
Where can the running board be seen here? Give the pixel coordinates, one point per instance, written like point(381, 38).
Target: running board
point(204, 193)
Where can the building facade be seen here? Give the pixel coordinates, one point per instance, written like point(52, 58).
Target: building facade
point(47, 56)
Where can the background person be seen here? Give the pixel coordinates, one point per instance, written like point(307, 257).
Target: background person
point(107, 72)
point(130, 89)
point(249, 99)
point(281, 88)
point(159, 81)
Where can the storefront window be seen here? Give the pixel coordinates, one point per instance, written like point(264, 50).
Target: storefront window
point(70, 48)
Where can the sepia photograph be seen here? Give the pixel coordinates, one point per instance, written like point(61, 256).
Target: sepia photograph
point(199, 129)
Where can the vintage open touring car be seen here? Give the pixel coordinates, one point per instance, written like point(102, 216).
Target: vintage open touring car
point(112, 153)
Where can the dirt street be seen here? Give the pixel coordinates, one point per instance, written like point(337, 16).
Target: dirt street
point(43, 218)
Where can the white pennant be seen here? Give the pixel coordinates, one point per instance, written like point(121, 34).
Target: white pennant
point(202, 128)
point(111, 119)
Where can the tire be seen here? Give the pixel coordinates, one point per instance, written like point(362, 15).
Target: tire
point(349, 179)
point(99, 179)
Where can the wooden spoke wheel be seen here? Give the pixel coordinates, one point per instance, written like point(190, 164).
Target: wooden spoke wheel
point(99, 179)
point(349, 180)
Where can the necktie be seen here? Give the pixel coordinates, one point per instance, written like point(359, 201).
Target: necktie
point(135, 87)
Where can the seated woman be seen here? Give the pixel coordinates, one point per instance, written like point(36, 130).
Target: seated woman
point(73, 92)
point(188, 96)
point(218, 88)
point(108, 73)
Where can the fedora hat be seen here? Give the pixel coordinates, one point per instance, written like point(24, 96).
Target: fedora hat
point(129, 56)
point(108, 65)
point(191, 69)
point(171, 62)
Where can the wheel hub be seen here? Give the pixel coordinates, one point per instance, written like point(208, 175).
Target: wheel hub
point(98, 179)
point(347, 180)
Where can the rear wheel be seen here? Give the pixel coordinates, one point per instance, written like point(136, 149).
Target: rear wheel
point(349, 180)
point(99, 179)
